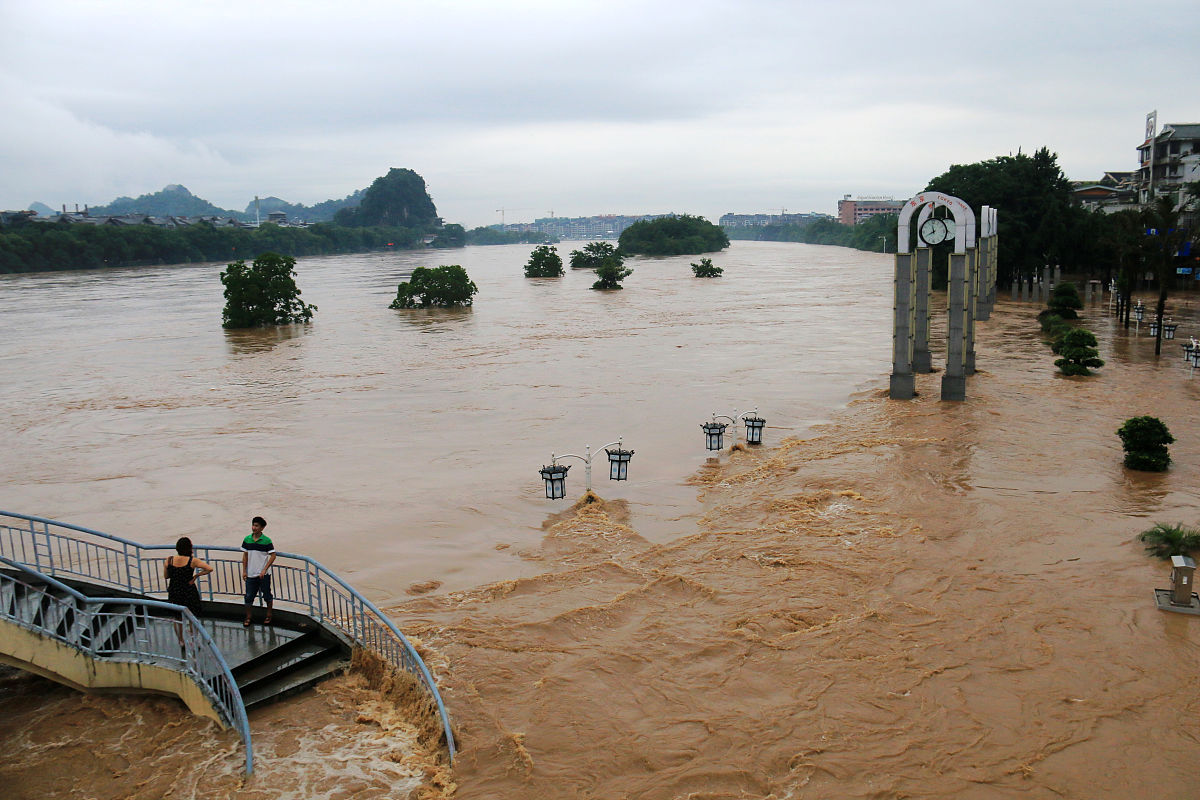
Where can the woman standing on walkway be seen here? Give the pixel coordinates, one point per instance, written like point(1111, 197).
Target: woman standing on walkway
point(181, 575)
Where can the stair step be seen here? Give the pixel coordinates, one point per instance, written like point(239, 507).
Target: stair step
point(297, 680)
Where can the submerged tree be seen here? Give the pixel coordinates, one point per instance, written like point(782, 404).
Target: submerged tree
point(443, 286)
point(1078, 350)
point(593, 254)
point(705, 269)
point(1165, 540)
point(1145, 440)
point(1064, 300)
point(264, 293)
point(611, 272)
point(544, 262)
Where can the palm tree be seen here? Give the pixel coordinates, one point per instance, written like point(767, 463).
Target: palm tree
point(1165, 236)
point(1165, 540)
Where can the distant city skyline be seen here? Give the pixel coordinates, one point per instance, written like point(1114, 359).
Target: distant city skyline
point(577, 109)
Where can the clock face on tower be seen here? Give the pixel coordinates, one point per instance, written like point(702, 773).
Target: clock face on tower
point(934, 231)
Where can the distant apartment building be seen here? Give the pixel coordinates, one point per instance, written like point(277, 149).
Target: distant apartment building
point(852, 211)
point(1168, 160)
point(732, 220)
point(603, 226)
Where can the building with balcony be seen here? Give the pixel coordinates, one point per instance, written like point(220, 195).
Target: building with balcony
point(1168, 160)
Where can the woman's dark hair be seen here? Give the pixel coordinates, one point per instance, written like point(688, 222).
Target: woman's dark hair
point(184, 546)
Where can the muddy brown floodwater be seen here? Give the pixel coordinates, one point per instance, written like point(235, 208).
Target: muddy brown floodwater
point(891, 599)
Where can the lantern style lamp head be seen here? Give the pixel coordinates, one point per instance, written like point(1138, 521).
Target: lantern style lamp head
point(1138, 312)
point(1169, 330)
point(754, 429)
point(714, 434)
point(1154, 328)
point(618, 464)
point(555, 477)
point(1194, 356)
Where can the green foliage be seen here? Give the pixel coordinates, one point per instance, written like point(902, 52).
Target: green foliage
point(495, 235)
point(1035, 201)
point(1145, 440)
point(36, 247)
point(265, 293)
point(705, 269)
point(396, 199)
point(877, 233)
point(611, 272)
point(444, 286)
point(452, 235)
point(1078, 350)
point(1165, 540)
point(594, 255)
point(672, 236)
point(1064, 300)
point(544, 262)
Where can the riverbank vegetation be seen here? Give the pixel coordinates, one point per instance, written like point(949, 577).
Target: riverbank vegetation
point(877, 234)
point(672, 236)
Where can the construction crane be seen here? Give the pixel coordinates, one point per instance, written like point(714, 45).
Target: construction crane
point(501, 211)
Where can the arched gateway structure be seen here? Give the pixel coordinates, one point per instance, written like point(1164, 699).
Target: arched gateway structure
point(971, 291)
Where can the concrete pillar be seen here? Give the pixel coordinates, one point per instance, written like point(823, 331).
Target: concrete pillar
point(954, 381)
point(983, 311)
point(902, 385)
point(1014, 290)
point(971, 309)
point(1057, 276)
point(994, 257)
point(1025, 289)
point(922, 361)
point(1087, 294)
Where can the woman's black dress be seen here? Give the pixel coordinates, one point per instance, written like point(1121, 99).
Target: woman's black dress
point(180, 590)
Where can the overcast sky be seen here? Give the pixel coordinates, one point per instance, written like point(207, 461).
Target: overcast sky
point(578, 108)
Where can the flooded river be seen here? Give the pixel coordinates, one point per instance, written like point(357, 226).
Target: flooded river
point(891, 599)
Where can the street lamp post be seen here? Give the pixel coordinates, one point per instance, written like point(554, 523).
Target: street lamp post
point(714, 431)
point(555, 475)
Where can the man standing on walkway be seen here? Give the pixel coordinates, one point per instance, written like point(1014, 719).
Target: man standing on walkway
point(258, 554)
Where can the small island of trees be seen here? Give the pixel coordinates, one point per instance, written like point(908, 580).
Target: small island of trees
point(264, 293)
point(440, 287)
point(672, 236)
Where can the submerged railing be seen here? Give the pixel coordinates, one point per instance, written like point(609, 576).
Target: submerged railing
point(123, 629)
point(62, 550)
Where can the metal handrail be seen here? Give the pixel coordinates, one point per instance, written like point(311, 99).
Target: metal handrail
point(297, 581)
point(81, 616)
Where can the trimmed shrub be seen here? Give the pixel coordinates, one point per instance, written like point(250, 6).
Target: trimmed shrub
point(1145, 440)
point(1078, 350)
point(1064, 300)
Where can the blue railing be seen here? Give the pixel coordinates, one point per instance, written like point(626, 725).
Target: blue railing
point(125, 629)
point(62, 550)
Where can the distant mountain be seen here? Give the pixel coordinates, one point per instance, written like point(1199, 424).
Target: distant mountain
point(173, 201)
point(321, 212)
point(399, 198)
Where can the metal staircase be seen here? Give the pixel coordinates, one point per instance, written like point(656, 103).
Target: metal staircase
point(96, 595)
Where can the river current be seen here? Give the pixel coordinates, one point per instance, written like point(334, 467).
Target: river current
point(888, 599)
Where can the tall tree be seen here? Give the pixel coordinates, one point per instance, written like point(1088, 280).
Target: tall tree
point(1165, 237)
point(1034, 199)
